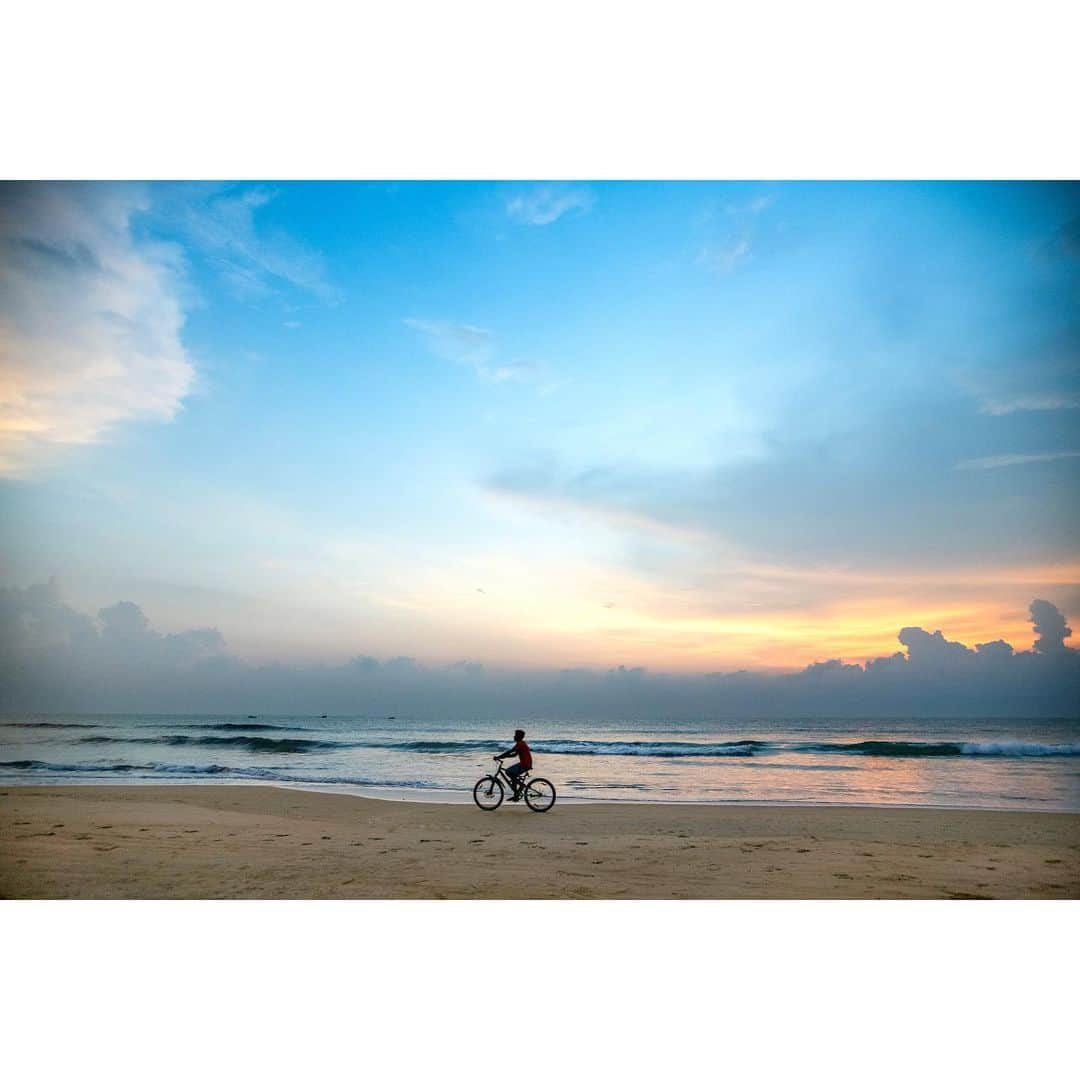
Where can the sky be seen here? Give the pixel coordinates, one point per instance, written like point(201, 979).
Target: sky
point(684, 427)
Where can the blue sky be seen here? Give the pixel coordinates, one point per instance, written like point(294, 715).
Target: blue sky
point(691, 426)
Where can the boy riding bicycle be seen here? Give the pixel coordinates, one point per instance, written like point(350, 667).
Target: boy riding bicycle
point(521, 751)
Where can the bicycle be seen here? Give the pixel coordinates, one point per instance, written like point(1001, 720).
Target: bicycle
point(539, 794)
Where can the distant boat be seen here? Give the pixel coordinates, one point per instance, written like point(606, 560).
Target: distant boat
point(323, 717)
point(391, 718)
point(252, 716)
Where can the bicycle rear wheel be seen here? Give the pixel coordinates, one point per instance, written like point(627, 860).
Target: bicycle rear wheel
point(540, 795)
point(488, 793)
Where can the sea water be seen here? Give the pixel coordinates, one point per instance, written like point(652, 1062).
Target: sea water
point(996, 764)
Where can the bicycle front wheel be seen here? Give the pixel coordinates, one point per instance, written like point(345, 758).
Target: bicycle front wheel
point(488, 793)
point(540, 795)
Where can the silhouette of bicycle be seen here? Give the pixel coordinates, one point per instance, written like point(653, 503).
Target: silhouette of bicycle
point(489, 791)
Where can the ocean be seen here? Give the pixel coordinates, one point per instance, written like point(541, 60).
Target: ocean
point(984, 763)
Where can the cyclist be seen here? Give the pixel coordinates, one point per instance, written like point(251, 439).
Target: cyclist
point(521, 751)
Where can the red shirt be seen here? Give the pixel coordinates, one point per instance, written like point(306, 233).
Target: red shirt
point(524, 754)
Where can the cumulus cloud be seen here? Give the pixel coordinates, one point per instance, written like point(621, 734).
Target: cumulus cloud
point(90, 319)
point(1050, 627)
point(931, 649)
point(544, 205)
point(56, 659)
point(38, 631)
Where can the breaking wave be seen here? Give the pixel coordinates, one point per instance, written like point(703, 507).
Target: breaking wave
point(745, 748)
point(740, 748)
point(255, 743)
point(234, 726)
point(157, 769)
point(43, 724)
point(888, 748)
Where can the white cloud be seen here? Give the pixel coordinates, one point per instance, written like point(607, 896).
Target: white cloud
point(1029, 403)
point(89, 319)
point(463, 344)
point(545, 205)
point(1002, 461)
point(251, 259)
point(475, 347)
point(723, 255)
point(753, 207)
point(725, 259)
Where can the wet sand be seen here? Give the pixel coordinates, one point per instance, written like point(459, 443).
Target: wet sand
point(115, 842)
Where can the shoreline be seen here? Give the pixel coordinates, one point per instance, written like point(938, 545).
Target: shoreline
point(264, 841)
point(460, 797)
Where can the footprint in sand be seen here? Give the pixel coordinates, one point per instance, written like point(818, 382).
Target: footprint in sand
point(803, 851)
point(1051, 862)
point(845, 877)
point(328, 838)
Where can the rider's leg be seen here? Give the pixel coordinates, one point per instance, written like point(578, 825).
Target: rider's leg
point(514, 772)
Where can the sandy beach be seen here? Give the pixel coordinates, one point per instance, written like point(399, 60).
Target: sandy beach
point(264, 842)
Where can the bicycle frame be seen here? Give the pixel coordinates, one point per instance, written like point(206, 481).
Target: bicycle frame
point(504, 777)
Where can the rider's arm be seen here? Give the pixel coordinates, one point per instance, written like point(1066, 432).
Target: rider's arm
point(512, 752)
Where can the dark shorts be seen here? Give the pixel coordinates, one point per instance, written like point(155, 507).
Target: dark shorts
point(516, 770)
